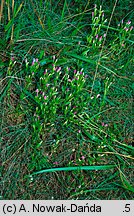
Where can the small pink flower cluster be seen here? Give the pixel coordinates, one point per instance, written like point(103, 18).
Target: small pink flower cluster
point(34, 61)
point(127, 26)
point(100, 38)
point(77, 74)
point(104, 125)
point(56, 163)
point(57, 69)
point(37, 92)
point(42, 93)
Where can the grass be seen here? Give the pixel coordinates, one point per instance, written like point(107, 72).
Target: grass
point(66, 100)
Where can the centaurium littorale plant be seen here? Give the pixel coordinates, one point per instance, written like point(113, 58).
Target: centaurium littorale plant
point(97, 35)
point(125, 30)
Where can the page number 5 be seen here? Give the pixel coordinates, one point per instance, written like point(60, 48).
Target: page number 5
point(127, 208)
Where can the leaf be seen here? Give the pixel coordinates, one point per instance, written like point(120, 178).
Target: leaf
point(2, 64)
point(81, 58)
point(19, 8)
point(92, 137)
point(6, 89)
point(61, 61)
point(88, 168)
point(41, 54)
point(10, 23)
point(45, 61)
point(110, 102)
point(126, 183)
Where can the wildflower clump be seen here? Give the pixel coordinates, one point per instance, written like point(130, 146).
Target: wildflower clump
point(97, 35)
point(58, 92)
point(125, 30)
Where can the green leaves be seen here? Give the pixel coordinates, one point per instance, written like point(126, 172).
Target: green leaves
point(10, 28)
point(15, 13)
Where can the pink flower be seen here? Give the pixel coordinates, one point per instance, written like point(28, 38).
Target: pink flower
point(12, 58)
point(56, 163)
point(80, 72)
point(103, 124)
point(68, 68)
point(33, 61)
point(96, 36)
point(92, 14)
point(54, 68)
point(128, 22)
point(106, 125)
point(58, 69)
point(75, 71)
point(45, 97)
point(83, 157)
point(100, 38)
point(122, 45)
point(37, 91)
point(104, 35)
point(45, 71)
point(131, 28)
point(79, 131)
point(126, 29)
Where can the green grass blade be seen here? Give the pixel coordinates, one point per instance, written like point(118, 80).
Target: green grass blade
point(81, 58)
point(63, 11)
point(126, 183)
point(88, 168)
